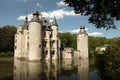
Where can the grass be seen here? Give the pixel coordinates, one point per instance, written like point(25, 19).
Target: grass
point(6, 54)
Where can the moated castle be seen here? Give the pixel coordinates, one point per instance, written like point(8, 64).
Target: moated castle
point(38, 40)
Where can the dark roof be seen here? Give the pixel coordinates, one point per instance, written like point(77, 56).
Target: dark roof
point(82, 30)
point(35, 12)
point(54, 23)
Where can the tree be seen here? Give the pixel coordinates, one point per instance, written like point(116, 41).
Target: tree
point(102, 12)
point(7, 34)
point(109, 62)
point(68, 40)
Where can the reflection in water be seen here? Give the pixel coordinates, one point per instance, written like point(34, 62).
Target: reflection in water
point(67, 69)
point(83, 70)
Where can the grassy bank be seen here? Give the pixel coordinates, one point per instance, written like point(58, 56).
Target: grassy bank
point(6, 54)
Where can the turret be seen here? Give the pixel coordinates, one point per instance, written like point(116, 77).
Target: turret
point(54, 23)
point(26, 23)
point(35, 38)
point(82, 30)
point(55, 43)
point(82, 42)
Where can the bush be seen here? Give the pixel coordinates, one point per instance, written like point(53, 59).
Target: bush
point(6, 54)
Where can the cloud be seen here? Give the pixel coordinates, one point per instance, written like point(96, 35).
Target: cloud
point(61, 3)
point(38, 5)
point(23, 17)
point(59, 14)
point(76, 30)
point(90, 34)
point(22, 0)
point(95, 34)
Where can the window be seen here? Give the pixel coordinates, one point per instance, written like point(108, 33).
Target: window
point(44, 44)
point(27, 45)
point(53, 52)
point(46, 52)
point(44, 34)
point(51, 44)
point(51, 34)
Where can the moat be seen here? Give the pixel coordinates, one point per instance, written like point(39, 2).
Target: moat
point(68, 69)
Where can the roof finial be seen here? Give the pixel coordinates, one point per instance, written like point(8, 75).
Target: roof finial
point(82, 30)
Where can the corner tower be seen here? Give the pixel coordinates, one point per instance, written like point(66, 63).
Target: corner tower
point(82, 42)
point(55, 40)
point(35, 38)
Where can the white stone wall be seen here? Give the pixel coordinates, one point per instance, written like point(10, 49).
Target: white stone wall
point(82, 45)
point(69, 53)
point(55, 44)
point(18, 43)
point(47, 45)
point(35, 41)
point(76, 54)
point(26, 43)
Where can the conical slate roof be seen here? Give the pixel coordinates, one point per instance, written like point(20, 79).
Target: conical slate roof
point(54, 23)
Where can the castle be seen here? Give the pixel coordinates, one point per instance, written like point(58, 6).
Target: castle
point(82, 46)
point(38, 40)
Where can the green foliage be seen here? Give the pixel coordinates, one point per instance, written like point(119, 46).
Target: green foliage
point(96, 42)
point(68, 40)
point(109, 62)
point(7, 38)
point(102, 12)
point(8, 53)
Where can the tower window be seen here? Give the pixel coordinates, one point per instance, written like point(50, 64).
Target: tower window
point(46, 52)
point(51, 34)
point(53, 52)
point(27, 45)
point(52, 44)
point(44, 34)
point(44, 44)
point(45, 21)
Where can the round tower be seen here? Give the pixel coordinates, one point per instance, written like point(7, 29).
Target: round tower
point(82, 42)
point(18, 52)
point(35, 38)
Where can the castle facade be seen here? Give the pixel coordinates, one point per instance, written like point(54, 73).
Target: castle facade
point(37, 39)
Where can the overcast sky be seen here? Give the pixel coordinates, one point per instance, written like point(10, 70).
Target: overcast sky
point(12, 12)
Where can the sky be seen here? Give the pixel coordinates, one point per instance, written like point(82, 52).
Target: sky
point(13, 12)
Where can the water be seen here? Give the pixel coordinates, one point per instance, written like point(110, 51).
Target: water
point(68, 69)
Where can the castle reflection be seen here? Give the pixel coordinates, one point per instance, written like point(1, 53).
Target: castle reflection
point(68, 69)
